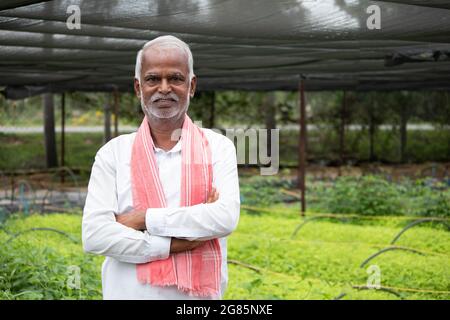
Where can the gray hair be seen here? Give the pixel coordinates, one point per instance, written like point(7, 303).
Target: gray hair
point(165, 40)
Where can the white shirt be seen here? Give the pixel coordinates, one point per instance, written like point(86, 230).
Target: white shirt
point(109, 193)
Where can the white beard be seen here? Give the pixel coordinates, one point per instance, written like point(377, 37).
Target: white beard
point(155, 113)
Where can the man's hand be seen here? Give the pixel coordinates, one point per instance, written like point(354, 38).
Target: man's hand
point(134, 219)
point(213, 196)
point(180, 245)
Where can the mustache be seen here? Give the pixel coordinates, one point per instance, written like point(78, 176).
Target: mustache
point(170, 96)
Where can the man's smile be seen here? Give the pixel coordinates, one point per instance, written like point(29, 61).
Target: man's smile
point(165, 99)
point(165, 102)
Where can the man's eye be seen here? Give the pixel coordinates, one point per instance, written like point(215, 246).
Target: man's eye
point(152, 79)
point(177, 79)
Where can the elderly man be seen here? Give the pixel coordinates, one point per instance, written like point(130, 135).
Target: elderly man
point(161, 201)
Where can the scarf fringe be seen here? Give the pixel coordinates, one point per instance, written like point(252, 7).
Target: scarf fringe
point(200, 292)
point(193, 292)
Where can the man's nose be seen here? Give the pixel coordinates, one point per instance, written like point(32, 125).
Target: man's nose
point(165, 86)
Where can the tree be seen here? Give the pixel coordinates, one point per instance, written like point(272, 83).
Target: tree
point(371, 112)
point(405, 105)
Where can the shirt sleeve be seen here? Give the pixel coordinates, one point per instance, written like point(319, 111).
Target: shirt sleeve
point(204, 221)
point(101, 233)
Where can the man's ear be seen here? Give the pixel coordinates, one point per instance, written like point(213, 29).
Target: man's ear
point(193, 86)
point(137, 88)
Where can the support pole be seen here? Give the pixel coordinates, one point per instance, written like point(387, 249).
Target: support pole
point(342, 131)
point(63, 133)
point(49, 131)
point(116, 113)
point(107, 121)
point(302, 147)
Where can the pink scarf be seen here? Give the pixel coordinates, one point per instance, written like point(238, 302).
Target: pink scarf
point(197, 271)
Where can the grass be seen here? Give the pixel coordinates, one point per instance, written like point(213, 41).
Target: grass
point(36, 265)
point(366, 195)
point(321, 262)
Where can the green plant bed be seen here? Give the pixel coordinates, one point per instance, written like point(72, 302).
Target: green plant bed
point(321, 262)
point(367, 195)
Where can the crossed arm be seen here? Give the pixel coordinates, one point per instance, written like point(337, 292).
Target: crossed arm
point(136, 220)
point(140, 237)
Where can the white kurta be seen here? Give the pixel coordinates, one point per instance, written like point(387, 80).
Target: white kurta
point(109, 193)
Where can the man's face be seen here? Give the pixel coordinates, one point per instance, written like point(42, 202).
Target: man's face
point(165, 88)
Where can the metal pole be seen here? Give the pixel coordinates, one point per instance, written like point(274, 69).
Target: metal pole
point(302, 147)
point(116, 113)
point(342, 131)
point(63, 133)
point(49, 131)
point(107, 119)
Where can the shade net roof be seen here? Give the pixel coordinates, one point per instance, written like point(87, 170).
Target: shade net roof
point(250, 45)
